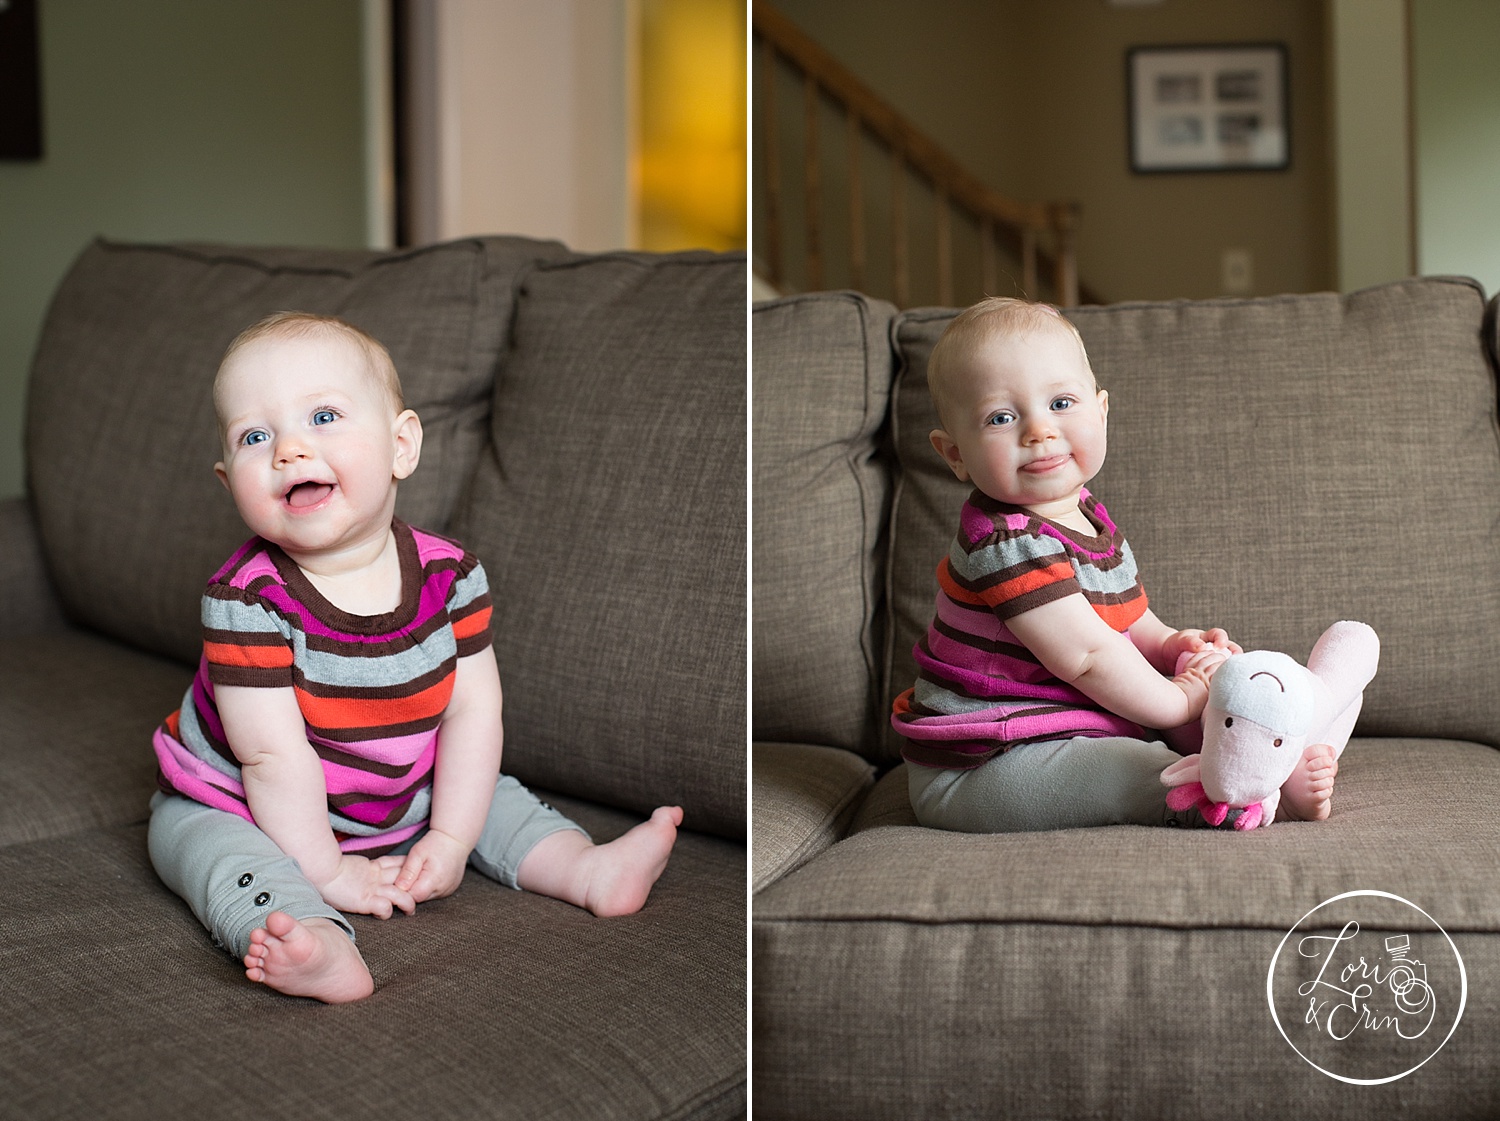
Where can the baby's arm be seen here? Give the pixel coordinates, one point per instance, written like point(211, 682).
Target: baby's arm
point(468, 765)
point(288, 798)
point(1068, 637)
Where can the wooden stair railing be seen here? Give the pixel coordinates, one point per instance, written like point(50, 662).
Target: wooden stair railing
point(1018, 228)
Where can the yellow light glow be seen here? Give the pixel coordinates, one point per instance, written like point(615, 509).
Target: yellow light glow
point(689, 165)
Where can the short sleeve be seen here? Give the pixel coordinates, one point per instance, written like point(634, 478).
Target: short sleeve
point(1009, 572)
point(469, 607)
point(244, 641)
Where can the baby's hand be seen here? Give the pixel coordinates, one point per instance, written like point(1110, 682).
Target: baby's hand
point(433, 869)
point(366, 887)
point(1194, 677)
point(1193, 641)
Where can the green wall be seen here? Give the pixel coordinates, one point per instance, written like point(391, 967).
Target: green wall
point(183, 120)
point(1456, 44)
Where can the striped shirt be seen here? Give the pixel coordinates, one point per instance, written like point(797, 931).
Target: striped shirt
point(372, 688)
point(979, 691)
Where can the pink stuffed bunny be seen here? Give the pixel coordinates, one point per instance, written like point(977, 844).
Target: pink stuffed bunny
point(1263, 710)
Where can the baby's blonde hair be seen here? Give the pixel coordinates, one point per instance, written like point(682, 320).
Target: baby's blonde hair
point(305, 324)
point(996, 316)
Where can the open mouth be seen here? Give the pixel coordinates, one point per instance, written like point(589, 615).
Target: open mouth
point(310, 493)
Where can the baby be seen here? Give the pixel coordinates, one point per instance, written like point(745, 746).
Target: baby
point(1043, 666)
point(339, 749)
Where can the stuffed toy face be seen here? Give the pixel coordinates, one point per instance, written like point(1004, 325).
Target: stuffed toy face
point(1255, 725)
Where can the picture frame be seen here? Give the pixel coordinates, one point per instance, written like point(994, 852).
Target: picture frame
point(1208, 108)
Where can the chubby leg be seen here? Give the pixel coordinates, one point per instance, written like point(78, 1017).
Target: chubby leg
point(1308, 794)
point(1056, 784)
point(527, 844)
point(242, 886)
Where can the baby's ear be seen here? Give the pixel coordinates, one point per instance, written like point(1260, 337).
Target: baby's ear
point(947, 447)
point(223, 473)
point(408, 433)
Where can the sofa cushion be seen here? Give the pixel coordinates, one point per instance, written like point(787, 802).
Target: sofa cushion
point(803, 798)
point(499, 1003)
point(121, 439)
point(822, 377)
point(1345, 438)
point(71, 765)
point(1117, 971)
point(609, 511)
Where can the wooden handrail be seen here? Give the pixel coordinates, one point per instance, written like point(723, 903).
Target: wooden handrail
point(1019, 225)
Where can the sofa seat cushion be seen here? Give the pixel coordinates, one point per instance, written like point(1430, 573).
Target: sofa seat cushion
point(1324, 497)
point(75, 731)
point(609, 511)
point(491, 1003)
point(121, 437)
point(803, 798)
point(1120, 971)
point(822, 382)
point(1419, 831)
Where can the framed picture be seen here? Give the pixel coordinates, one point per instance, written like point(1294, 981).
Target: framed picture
point(1218, 108)
point(20, 82)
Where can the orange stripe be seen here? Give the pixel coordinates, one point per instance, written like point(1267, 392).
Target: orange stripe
point(1006, 591)
point(1120, 616)
point(471, 625)
point(260, 657)
point(354, 712)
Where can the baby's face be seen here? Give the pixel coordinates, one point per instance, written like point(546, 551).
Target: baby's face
point(313, 447)
point(1024, 421)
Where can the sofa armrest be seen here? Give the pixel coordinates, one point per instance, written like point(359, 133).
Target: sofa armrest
point(804, 798)
point(28, 602)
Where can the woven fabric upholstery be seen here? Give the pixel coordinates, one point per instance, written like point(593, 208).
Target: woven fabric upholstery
point(121, 437)
point(1343, 444)
point(803, 798)
point(620, 610)
point(820, 500)
point(500, 1003)
point(1117, 971)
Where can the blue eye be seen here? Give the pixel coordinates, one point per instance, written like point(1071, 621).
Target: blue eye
point(1062, 404)
point(324, 416)
point(1000, 419)
point(256, 436)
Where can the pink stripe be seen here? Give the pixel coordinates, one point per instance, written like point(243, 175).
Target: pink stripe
point(397, 751)
point(383, 841)
point(993, 664)
point(342, 780)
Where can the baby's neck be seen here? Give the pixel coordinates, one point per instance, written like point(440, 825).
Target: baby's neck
point(1066, 512)
point(363, 580)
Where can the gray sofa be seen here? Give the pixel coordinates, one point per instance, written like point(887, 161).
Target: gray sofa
point(585, 435)
point(1277, 464)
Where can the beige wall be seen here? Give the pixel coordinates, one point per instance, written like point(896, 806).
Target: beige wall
point(1030, 95)
point(178, 120)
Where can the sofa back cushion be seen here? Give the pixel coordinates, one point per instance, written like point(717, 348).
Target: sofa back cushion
point(121, 438)
point(822, 378)
point(609, 511)
point(1277, 464)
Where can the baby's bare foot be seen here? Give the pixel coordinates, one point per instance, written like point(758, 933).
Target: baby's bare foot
point(608, 879)
point(315, 958)
point(622, 872)
point(1308, 794)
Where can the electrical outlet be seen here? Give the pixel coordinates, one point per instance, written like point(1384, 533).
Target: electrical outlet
point(1237, 272)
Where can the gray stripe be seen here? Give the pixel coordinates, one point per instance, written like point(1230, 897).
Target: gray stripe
point(1120, 578)
point(386, 670)
point(195, 741)
point(235, 615)
point(1002, 555)
point(467, 590)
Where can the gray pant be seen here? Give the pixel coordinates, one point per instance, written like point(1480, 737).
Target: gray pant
point(1054, 784)
point(232, 875)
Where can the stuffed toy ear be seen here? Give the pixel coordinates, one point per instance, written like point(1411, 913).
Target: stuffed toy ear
point(1183, 771)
